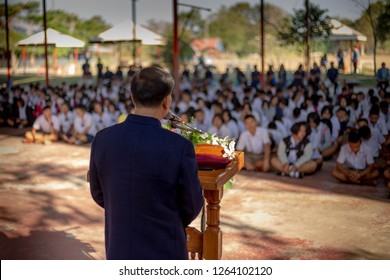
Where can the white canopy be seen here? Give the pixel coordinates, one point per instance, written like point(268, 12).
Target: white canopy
point(54, 38)
point(342, 32)
point(123, 32)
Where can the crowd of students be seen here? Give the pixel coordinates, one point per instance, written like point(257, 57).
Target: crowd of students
point(290, 126)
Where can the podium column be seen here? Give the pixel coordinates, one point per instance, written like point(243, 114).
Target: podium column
point(212, 236)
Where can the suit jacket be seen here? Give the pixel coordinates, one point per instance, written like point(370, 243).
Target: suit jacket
point(146, 179)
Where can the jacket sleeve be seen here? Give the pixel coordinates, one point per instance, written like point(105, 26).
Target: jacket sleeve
point(307, 155)
point(190, 197)
point(94, 183)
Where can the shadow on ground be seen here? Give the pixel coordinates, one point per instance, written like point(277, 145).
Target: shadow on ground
point(261, 244)
point(44, 245)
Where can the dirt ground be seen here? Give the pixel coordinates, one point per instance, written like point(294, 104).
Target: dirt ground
point(46, 211)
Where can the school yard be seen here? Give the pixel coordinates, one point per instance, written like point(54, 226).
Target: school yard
point(46, 211)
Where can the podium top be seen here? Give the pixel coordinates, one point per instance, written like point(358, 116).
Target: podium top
point(216, 179)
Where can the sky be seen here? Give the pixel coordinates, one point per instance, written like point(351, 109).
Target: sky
point(117, 11)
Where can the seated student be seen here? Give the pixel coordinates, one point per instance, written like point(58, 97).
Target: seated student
point(100, 118)
point(45, 128)
point(320, 138)
point(375, 120)
point(84, 128)
point(372, 137)
point(19, 117)
point(294, 156)
point(66, 118)
point(343, 119)
point(218, 128)
point(359, 162)
point(200, 120)
point(256, 144)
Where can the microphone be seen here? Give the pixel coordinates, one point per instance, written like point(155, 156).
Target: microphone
point(177, 122)
point(172, 117)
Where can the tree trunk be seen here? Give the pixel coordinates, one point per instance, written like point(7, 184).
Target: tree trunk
point(375, 45)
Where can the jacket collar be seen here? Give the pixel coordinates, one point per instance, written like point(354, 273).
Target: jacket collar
point(132, 118)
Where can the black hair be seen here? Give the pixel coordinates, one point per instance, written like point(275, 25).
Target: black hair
point(364, 132)
point(315, 117)
point(250, 116)
point(374, 111)
point(354, 137)
point(296, 112)
point(151, 85)
point(46, 107)
point(325, 108)
point(218, 116)
point(384, 105)
point(296, 127)
point(81, 107)
point(272, 125)
point(362, 120)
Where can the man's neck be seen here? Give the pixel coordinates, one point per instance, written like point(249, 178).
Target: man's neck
point(148, 112)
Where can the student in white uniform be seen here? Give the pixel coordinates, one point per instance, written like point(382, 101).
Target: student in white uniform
point(100, 118)
point(84, 128)
point(320, 138)
point(66, 118)
point(45, 128)
point(256, 143)
point(294, 156)
point(219, 128)
point(355, 163)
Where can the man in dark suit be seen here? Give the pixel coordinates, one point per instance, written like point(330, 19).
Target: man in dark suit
point(145, 177)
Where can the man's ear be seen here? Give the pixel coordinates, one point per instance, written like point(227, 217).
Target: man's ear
point(165, 103)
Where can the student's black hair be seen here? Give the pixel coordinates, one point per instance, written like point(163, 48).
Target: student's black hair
point(362, 120)
point(81, 107)
point(374, 111)
point(272, 125)
point(250, 116)
point(354, 136)
point(46, 107)
point(374, 100)
point(355, 103)
point(296, 112)
point(218, 116)
point(325, 108)
point(315, 117)
point(364, 132)
point(384, 104)
point(296, 127)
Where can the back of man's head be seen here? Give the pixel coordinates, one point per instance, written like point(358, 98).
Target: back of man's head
point(150, 86)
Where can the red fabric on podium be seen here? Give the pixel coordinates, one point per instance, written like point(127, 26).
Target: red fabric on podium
point(208, 161)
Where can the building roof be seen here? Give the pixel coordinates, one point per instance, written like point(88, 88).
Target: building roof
point(342, 32)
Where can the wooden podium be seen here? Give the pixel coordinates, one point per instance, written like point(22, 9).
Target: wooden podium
point(208, 244)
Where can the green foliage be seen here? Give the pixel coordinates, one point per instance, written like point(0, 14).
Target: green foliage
point(383, 26)
point(62, 21)
point(293, 30)
point(237, 27)
point(20, 8)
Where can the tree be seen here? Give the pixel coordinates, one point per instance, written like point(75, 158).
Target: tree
point(384, 24)
point(293, 29)
point(13, 11)
point(372, 12)
point(237, 28)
